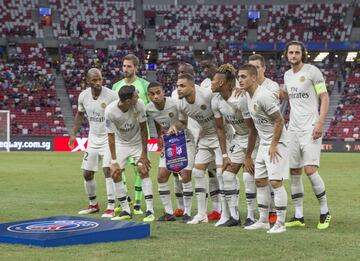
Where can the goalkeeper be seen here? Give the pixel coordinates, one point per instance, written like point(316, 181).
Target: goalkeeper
point(129, 68)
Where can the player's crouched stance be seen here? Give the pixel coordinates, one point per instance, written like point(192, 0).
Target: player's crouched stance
point(164, 111)
point(127, 136)
point(271, 163)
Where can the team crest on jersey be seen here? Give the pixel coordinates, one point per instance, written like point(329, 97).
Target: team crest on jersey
point(53, 226)
point(171, 114)
point(302, 78)
point(203, 107)
point(103, 105)
point(255, 107)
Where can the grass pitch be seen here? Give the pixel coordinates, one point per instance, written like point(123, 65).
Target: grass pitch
point(35, 185)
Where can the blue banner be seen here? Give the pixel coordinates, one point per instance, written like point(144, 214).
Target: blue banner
point(175, 151)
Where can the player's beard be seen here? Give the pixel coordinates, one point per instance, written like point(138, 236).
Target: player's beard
point(128, 75)
point(296, 63)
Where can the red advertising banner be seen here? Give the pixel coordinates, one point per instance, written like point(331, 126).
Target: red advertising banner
point(80, 144)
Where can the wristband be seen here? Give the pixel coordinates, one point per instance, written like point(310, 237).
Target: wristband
point(225, 155)
point(113, 161)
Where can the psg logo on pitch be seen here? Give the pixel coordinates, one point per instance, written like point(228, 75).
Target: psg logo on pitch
point(53, 226)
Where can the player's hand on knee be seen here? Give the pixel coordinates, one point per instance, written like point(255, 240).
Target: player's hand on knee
point(249, 165)
point(144, 162)
point(115, 169)
point(226, 163)
point(274, 154)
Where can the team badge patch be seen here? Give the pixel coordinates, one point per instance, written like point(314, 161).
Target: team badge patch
point(255, 107)
point(203, 107)
point(103, 105)
point(175, 152)
point(302, 78)
point(171, 115)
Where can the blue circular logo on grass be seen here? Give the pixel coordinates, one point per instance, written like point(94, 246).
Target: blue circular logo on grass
point(55, 226)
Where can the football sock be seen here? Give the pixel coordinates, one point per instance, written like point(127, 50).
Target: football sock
point(297, 194)
point(272, 201)
point(280, 197)
point(188, 194)
point(319, 190)
point(200, 190)
point(230, 192)
point(178, 189)
point(250, 193)
point(90, 188)
point(138, 187)
point(110, 193)
point(164, 192)
point(147, 186)
point(120, 194)
point(263, 198)
point(214, 191)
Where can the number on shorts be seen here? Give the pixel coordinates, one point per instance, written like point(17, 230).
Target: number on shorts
point(232, 148)
point(86, 156)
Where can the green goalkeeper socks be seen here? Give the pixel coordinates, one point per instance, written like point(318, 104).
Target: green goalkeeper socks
point(138, 186)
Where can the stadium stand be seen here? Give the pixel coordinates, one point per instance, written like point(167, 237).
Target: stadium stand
point(28, 91)
point(346, 120)
point(16, 20)
point(86, 19)
point(307, 22)
point(200, 23)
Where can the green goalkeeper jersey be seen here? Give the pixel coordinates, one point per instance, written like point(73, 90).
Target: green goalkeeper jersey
point(140, 84)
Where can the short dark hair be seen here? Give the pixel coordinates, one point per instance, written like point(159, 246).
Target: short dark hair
point(186, 76)
point(250, 68)
point(133, 58)
point(303, 50)
point(257, 57)
point(209, 59)
point(188, 67)
point(126, 92)
point(154, 84)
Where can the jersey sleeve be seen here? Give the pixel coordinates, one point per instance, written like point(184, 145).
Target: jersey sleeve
point(110, 127)
point(269, 103)
point(285, 86)
point(140, 108)
point(318, 80)
point(81, 107)
point(215, 107)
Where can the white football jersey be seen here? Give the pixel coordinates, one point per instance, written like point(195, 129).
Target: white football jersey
point(303, 96)
point(167, 116)
point(234, 111)
point(95, 112)
point(261, 105)
point(125, 125)
point(200, 111)
point(193, 126)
